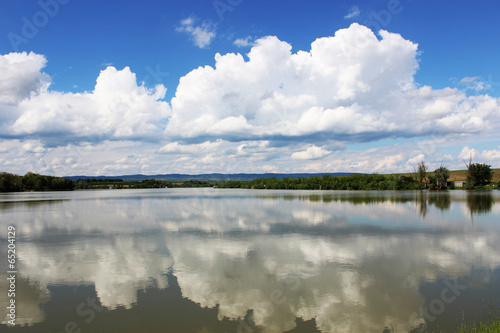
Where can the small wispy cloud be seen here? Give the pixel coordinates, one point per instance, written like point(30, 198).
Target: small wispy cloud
point(244, 42)
point(202, 33)
point(469, 79)
point(353, 12)
point(474, 83)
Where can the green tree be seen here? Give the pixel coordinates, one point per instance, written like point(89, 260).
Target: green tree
point(10, 182)
point(61, 184)
point(404, 183)
point(433, 181)
point(478, 175)
point(32, 182)
point(442, 174)
point(421, 174)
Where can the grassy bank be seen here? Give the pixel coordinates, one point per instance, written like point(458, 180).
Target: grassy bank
point(460, 175)
point(487, 322)
point(481, 327)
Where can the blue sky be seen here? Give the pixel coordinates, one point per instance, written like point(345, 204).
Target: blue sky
point(429, 90)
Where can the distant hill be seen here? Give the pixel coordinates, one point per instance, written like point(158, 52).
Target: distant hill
point(210, 176)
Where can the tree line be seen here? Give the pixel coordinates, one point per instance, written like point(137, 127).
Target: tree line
point(33, 182)
point(478, 175)
point(327, 182)
point(10, 182)
point(98, 183)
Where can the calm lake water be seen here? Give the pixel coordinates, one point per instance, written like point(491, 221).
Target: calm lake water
point(221, 260)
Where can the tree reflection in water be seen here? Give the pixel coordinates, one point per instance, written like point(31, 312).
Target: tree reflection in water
point(479, 202)
point(440, 200)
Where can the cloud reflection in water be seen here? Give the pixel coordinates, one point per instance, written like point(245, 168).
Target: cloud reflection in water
point(352, 262)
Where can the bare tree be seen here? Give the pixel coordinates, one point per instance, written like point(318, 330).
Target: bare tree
point(470, 174)
point(421, 174)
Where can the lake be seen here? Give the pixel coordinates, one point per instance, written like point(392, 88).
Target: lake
point(226, 260)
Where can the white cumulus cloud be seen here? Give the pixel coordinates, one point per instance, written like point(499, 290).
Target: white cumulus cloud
point(310, 153)
point(322, 109)
point(117, 109)
point(21, 76)
point(33, 147)
point(491, 156)
point(205, 147)
point(351, 87)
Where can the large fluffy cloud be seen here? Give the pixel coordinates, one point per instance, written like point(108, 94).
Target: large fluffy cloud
point(117, 109)
point(487, 156)
point(21, 76)
point(272, 110)
point(352, 86)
